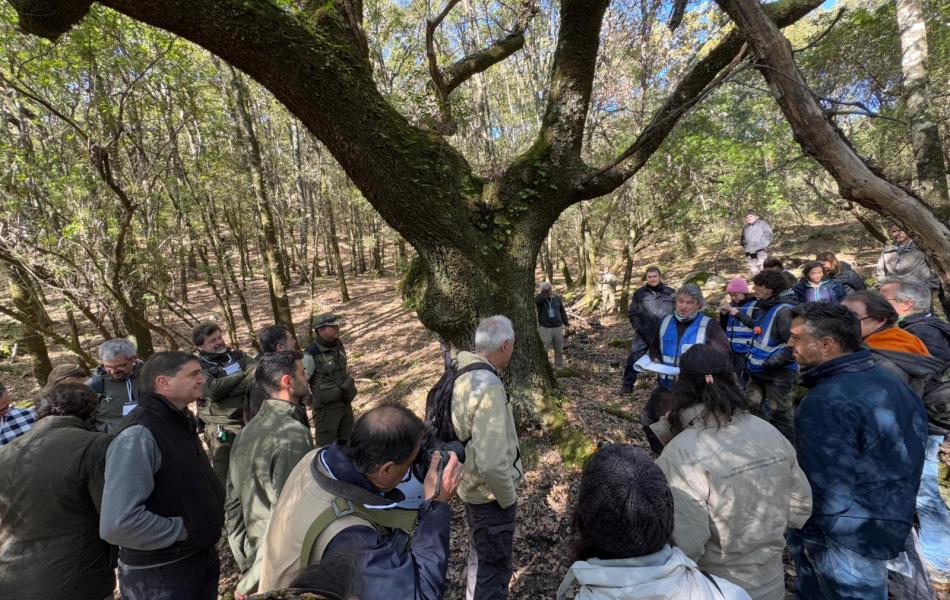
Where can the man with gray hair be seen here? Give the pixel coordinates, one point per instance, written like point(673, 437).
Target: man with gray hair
point(482, 417)
point(686, 327)
point(912, 298)
point(552, 319)
point(115, 380)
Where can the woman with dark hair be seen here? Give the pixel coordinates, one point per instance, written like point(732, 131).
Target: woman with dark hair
point(841, 272)
point(816, 287)
point(735, 480)
point(622, 524)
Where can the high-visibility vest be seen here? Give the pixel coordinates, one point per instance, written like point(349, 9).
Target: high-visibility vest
point(672, 346)
point(763, 346)
point(740, 335)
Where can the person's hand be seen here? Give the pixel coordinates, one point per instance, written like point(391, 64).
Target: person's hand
point(732, 310)
point(451, 477)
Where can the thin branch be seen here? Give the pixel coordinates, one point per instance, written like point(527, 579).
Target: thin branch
point(821, 36)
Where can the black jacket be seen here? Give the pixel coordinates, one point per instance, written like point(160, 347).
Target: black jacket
point(554, 303)
point(185, 484)
point(647, 308)
point(932, 331)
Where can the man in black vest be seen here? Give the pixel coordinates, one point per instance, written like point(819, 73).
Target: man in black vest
point(162, 503)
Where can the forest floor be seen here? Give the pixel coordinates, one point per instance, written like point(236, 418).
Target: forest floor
point(394, 357)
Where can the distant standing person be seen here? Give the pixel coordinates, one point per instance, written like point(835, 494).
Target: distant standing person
point(331, 385)
point(903, 259)
point(14, 421)
point(756, 238)
point(816, 286)
point(229, 375)
point(648, 306)
point(552, 319)
point(162, 504)
point(116, 381)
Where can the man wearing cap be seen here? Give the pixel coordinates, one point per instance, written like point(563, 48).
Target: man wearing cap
point(116, 382)
point(552, 319)
point(65, 373)
point(756, 237)
point(332, 387)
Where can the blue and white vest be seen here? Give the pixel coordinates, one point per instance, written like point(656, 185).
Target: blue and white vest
point(763, 346)
point(739, 335)
point(672, 346)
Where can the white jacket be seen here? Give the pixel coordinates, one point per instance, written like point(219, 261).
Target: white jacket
point(736, 488)
point(665, 575)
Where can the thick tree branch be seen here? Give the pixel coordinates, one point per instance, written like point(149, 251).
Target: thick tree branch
point(691, 88)
point(820, 139)
point(572, 76)
point(462, 70)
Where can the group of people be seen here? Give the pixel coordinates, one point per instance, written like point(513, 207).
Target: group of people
point(109, 474)
point(141, 467)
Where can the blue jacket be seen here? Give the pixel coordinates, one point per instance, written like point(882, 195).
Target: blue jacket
point(388, 568)
point(829, 290)
point(860, 438)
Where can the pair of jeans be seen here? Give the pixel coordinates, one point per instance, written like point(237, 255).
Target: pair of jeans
point(491, 531)
point(637, 350)
point(934, 516)
point(194, 577)
point(826, 570)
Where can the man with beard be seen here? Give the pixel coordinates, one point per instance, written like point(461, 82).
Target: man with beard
point(229, 373)
point(264, 454)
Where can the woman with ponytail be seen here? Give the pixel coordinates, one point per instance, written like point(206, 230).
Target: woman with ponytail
point(735, 480)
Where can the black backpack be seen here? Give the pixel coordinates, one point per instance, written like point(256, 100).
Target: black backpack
point(439, 400)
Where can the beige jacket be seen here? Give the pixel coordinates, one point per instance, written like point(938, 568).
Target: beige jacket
point(299, 504)
point(481, 414)
point(736, 488)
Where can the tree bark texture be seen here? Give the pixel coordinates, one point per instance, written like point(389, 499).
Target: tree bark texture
point(924, 134)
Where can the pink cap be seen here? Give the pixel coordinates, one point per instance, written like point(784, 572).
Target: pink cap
point(737, 286)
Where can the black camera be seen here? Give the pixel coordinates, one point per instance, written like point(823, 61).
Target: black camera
point(432, 444)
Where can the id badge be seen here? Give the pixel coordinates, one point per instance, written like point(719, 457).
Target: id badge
point(127, 408)
point(232, 369)
point(551, 312)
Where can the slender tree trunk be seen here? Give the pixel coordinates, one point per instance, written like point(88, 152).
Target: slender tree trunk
point(29, 305)
point(627, 276)
point(273, 262)
point(334, 242)
point(924, 133)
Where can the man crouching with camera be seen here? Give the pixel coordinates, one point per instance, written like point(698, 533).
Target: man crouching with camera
point(342, 498)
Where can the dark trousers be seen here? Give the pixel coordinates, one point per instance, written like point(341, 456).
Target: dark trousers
point(774, 401)
point(491, 531)
point(332, 421)
point(658, 404)
point(639, 348)
point(191, 578)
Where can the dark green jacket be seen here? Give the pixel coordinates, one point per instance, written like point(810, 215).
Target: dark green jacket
point(114, 399)
point(223, 401)
point(50, 494)
point(264, 454)
point(330, 382)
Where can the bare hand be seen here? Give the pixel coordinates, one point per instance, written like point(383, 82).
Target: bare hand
point(451, 477)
